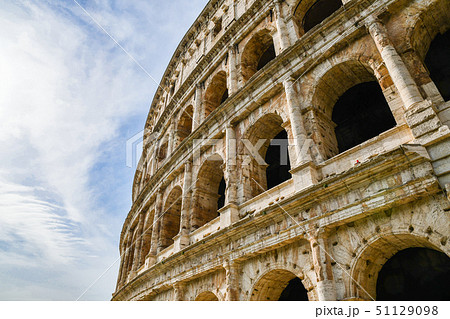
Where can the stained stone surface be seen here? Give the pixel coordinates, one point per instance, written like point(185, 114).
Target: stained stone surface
point(362, 207)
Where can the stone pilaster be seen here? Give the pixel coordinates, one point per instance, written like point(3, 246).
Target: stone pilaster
point(325, 287)
point(171, 141)
point(232, 71)
point(397, 69)
point(230, 169)
point(198, 107)
point(230, 212)
point(283, 34)
point(232, 270)
point(138, 242)
point(156, 226)
point(185, 205)
point(297, 125)
point(420, 114)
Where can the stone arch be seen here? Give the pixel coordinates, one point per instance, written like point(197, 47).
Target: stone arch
point(170, 221)
point(184, 125)
point(206, 296)
point(254, 174)
point(258, 52)
point(309, 13)
point(206, 195)
point(371, 257)
point(216, 93)
point(415, 274)
point(343, 85)
point(127, 255)
point(271, 284)
point(425, 27)
point(163, 150)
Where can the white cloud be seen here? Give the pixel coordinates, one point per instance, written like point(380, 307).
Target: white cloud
point(62, 96)
point(66, 94)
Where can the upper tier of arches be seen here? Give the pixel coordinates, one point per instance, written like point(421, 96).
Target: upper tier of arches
point(207, 42)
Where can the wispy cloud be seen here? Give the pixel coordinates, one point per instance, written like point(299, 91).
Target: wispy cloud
point(69, 99)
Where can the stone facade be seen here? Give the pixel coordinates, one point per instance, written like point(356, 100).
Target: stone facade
point(209, 223)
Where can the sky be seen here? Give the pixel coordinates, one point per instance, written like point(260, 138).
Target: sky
point(70, 98)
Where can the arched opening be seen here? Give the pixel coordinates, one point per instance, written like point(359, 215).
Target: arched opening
point(294, 291)
point(216, 93)
point(147, 234)
point(207, 296)
point(344, 97)
point(170, 221)
point(438, 63)
point(277, 158)
point(208, 192)
point(415, 274)
point(258, 52)
point(131, 249)
point(309, 13)
point(266, 57)
point(162, 151)
point(280, 285)
point(319, 11)
point(272, 168)
point(359, 118)
point(184, 127)
point(367, 266)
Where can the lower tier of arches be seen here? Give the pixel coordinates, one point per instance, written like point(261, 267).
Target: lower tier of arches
point(400, 253)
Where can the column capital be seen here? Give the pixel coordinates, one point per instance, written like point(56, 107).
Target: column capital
point(230, 126)
point(188, 165)
point(372, 22)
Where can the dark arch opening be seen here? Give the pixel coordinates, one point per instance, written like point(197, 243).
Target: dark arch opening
point(294, 291)
point(277, 157)
point(415, 274)
point(224, 96)
point(222, 188)
point(259, 51)
point(208, 192)
point(170, 221)
point(360, 114)
point(216, 93)
point(184, 128)
point(266, 57)
point(318, 12)
point(437, 61)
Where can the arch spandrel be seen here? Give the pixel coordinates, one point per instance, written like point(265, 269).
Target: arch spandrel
point(371, 257)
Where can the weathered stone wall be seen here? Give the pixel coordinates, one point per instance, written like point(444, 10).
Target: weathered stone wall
point(341, 216)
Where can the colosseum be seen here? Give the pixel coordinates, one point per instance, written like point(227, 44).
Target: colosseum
point(297, 150)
